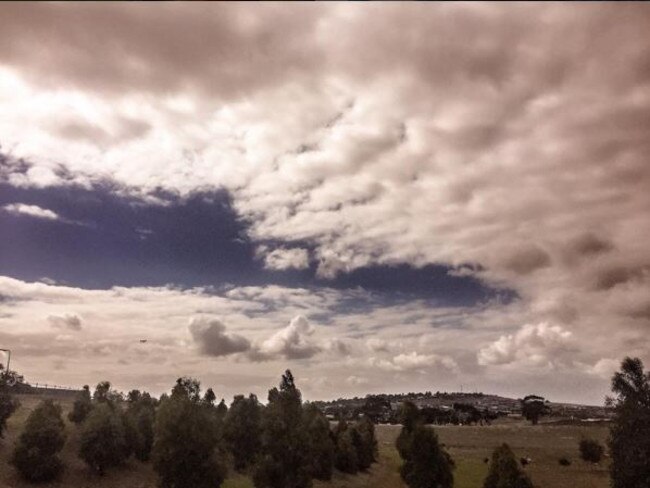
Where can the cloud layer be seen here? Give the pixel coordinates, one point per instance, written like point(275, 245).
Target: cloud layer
point(509, 142)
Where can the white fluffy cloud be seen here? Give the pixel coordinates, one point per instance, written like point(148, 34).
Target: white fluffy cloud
point(31, 211)
point(283, 259)
point(540, 344)
point(291, 342)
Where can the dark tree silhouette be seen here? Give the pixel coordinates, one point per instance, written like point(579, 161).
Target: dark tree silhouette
point(242, 430)
point(629, 440)
point(533, 407)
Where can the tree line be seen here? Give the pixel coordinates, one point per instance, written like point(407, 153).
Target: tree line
point(191, 440)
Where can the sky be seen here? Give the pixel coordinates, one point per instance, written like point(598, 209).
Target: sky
point(381, 197)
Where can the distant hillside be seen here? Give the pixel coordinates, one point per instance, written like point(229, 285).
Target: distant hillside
point(384, 407)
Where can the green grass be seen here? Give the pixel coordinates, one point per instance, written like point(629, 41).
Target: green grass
point(468, 446)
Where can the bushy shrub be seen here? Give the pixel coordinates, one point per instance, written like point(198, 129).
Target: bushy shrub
point(185, 451)
point(366, 443)
point(103, 438)
point(505, 471)
point(426, 462)
point(36, 453)
point(346, 457)
point(8, 405)
point(81, 406)
point(591, 451)
point(564, 461)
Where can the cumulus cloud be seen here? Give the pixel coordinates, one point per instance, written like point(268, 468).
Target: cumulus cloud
point(68, 321)
point(377, 345)
point(388, 144)
point(212, 339)
point(539, 344)
point(31, 211)
point(415, 361)
point(283, 259)
point(291, 342)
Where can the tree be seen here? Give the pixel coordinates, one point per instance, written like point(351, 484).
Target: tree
point(426, 463)
point(36, 453)
point(284, 461)
point(591, 450)
point(185, 451)
point(629, 440)
point(81, 406)
point(242, 430)
point(533, 407)
point(139, 420)
point(346, 456)
point(320, 444)
point(105, 394)
point(8, 405)
point(103, 438)
point(505, 472)
point(367, 448)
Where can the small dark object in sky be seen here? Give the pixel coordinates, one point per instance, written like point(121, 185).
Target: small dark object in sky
point(143, 341)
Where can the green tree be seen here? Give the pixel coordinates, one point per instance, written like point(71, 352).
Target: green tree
point(284, 461)
point(533, 407)
point(139, 420)
point(243, 430)
point(36, 453)
point(346, 456)
point(103, 438)
point(505, 472)
point(629, 440)
point(320, 444)
point(185, 451)
point(426, 464)
point(8, 404)
point(367, 445)
point(81, 406)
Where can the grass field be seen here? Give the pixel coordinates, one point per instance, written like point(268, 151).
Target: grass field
point(468, 446)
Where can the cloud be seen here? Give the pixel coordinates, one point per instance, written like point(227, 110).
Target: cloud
point(292, 342)
point(68, 321)
point(338, 347)
point(212, 338)
point(282, 259)
point(540, 344)
point(377, 345)
point(31, 211)
point(414, 361)
point(387, 144)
